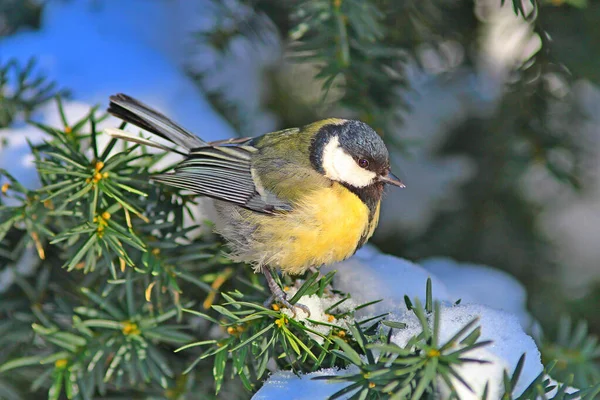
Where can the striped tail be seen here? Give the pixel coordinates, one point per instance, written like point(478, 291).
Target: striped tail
point(134, 112)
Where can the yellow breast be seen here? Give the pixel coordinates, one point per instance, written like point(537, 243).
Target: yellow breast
point(325, 227)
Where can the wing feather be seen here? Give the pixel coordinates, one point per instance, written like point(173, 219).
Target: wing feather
point(223, 172)
point(221, 169)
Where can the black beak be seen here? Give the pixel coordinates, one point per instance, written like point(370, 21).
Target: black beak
point(392, 179)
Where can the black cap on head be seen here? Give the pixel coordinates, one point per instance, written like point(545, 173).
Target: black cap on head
point(362, 142)
point(357, 139)
point(352, 153)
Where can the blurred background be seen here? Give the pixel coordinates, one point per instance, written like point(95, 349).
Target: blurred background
point(490, 108)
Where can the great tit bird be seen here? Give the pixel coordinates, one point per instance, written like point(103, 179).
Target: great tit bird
point(289, 200)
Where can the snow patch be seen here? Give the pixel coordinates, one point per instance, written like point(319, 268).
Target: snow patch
point(480, 284)
point(317, 306)
point(286, 385)
point(370, 276)
point(509, 342)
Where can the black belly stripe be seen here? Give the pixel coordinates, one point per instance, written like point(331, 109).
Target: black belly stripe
point(371, 196)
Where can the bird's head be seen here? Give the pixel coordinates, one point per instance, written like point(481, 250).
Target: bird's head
point(352, 153)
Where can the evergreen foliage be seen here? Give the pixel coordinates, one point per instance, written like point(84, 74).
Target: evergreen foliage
point(145, 307)
point(31, 91)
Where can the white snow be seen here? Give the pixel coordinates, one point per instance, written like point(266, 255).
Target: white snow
point(509, 343)
point(371, 276)
point(480, 284)
point(317, 306)
point(286, 385)
point(553, 392)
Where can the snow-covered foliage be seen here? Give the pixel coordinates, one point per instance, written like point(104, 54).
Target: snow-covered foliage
point(484, 293)
point(318, 306)
point(509, 342)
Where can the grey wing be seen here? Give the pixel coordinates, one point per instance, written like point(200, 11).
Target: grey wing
point(224, 173)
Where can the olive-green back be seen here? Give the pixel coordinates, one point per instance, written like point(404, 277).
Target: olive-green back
point(283, 164)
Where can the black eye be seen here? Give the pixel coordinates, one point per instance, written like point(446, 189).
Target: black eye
point(363, 163)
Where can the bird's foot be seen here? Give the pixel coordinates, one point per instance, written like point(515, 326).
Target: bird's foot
point(279, 296)
point(292, 307)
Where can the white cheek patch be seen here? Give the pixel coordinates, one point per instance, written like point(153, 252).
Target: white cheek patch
point(340, 166)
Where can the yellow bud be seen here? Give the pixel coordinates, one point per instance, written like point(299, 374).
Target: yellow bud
point(341, 334)
point(130, 328)
point(106, 215)
point(99, 165)
point(371, 385)
point(156, 251)
point(433, 353)
point(330, 318)
point(61, 363)
point(281, 321)
point(68, 129)
point(5, 188)
point(105, 175)
point(275, 307)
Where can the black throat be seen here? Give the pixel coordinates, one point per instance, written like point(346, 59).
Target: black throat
point(371, 196)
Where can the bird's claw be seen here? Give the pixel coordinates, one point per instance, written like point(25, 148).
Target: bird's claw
point(285, 303)
point(293, 307)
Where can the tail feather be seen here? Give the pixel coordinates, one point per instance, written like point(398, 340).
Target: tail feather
point(132, 111)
